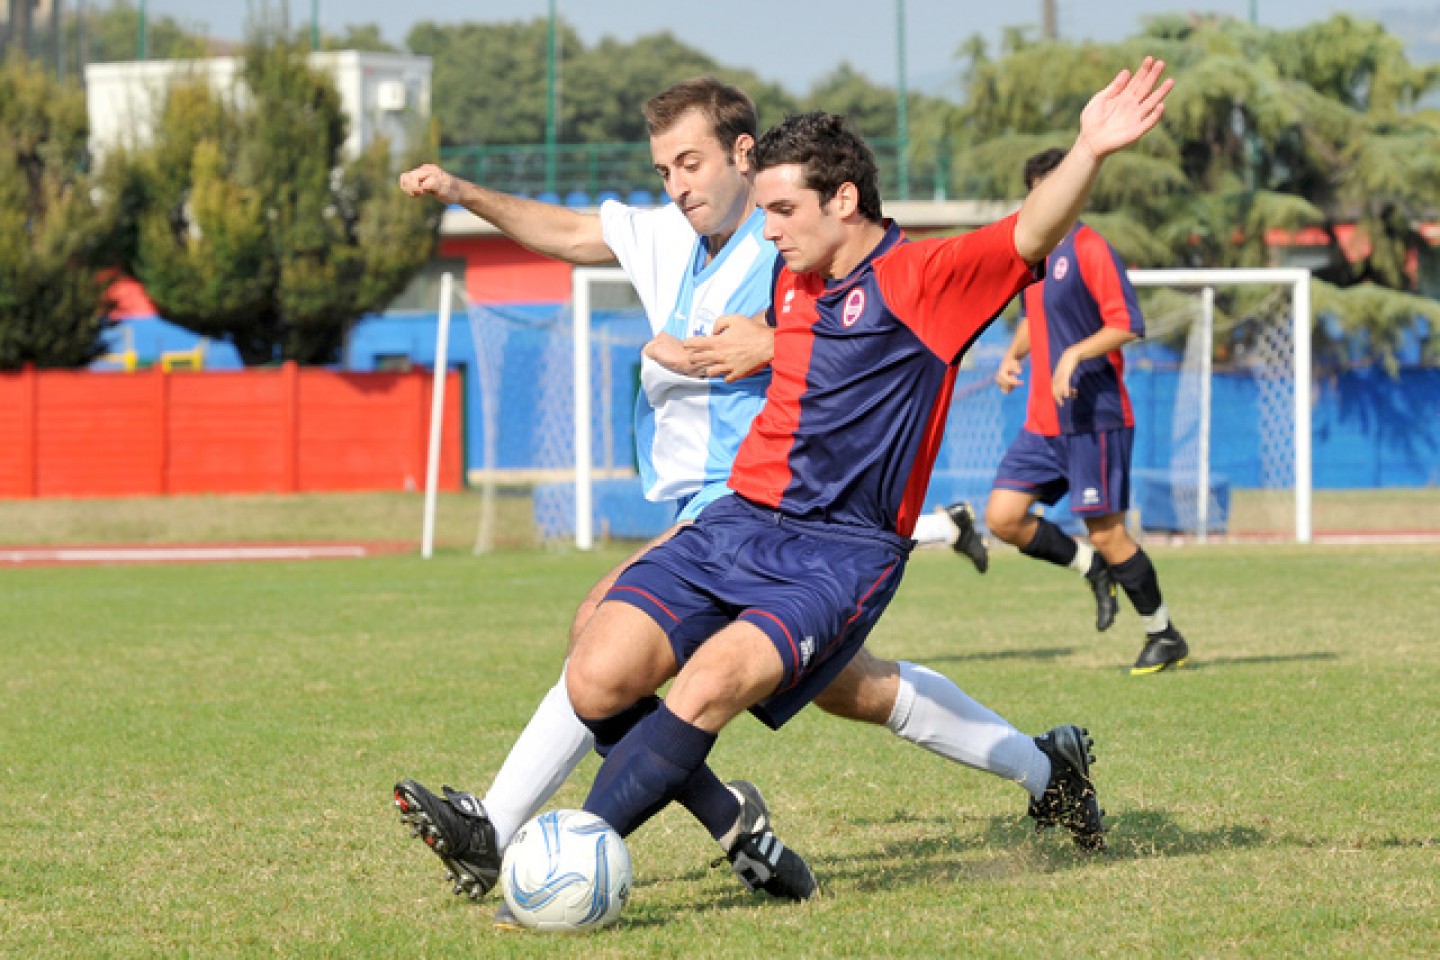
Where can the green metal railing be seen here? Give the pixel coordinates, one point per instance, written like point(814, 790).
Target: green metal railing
point(585, 173)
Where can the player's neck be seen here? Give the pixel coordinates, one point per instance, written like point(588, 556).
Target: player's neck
point(857, 246)
point(715, 242)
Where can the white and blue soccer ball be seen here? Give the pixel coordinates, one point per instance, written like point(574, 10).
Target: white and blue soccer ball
point(566, 871)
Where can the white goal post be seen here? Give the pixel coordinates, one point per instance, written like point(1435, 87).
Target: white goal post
point(1298, 279)
point(583, 278)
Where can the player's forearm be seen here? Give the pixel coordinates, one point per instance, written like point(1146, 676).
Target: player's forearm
point(1055, 204)
point(1100, 343)
point(545, 228)
point(1020, 344)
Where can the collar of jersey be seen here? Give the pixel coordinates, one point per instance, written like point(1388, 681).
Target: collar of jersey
point(893, 236)
point(700, 269)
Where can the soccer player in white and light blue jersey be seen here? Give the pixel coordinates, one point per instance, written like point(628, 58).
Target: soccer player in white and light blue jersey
point(700, 258)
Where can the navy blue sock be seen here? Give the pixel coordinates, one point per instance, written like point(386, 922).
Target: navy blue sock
point(707, 799)
point(612, 729)
point(654, 764)
point(1050, 543)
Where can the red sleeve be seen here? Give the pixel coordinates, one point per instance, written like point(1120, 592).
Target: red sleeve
point(947, 290)
point(1100, 269)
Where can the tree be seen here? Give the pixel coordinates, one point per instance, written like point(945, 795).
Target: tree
point(490, 83)
point(250, 226)
point(357, 36)
point(112, 33)
point(52, 303)
point(1267, 132)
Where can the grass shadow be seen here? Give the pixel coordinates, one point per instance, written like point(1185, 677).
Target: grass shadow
point(945, 851)
point(980, 656)
point(1146, 834)
point(1206, 663)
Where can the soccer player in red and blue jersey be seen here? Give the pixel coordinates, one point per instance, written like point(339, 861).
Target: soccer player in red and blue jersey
point(1078, 430)
point(767, 596)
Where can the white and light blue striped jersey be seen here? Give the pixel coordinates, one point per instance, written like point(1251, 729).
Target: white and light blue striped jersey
point(688, 429)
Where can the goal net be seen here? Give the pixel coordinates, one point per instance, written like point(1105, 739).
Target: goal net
point(1220, 387)
point(556, 391)
point(1238, 457)
point(1220, 391)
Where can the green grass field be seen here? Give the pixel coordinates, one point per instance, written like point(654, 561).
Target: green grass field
point(197, 761)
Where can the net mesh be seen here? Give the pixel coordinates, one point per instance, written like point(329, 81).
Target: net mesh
point(524, 358)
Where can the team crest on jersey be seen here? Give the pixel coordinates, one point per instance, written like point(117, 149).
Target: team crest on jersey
point(854, 306)
point(1060, 267)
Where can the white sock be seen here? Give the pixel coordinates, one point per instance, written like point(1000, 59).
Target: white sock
point(936, 527)
point(1084, 556)
point(932, 712)
point(1158, 620)
point(552, 745)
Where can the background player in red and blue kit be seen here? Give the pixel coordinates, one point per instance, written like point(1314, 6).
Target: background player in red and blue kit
point(765, 598)
point(1079, 429)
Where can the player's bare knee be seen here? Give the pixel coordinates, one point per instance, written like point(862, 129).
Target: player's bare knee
point(595, 690)
point(1002, 521)
point(1110, 538)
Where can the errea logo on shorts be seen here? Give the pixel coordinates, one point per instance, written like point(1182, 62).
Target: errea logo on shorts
point(1090, 497)
point(807, 650)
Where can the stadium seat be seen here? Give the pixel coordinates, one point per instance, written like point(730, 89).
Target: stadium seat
point(548, 196)
point(641, 198)
point(577, 198)
point(604, 195)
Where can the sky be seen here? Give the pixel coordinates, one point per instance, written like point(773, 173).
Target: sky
point(793, 42)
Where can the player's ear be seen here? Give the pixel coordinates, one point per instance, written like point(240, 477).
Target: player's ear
point(846, 200)
point(740, 152)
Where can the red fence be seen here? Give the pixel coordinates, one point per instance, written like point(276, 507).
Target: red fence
point(284, 430)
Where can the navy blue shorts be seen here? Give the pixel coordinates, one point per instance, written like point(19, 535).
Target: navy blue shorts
point(1093, 467)
point(816, 590)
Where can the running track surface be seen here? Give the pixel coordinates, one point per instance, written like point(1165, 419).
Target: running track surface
point(197, 553)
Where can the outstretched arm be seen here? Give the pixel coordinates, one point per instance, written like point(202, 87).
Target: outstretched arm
point(1113, 119)
point(543, 227)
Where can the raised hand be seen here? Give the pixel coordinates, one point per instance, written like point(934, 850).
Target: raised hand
point(1122, 113)
point(429, 180)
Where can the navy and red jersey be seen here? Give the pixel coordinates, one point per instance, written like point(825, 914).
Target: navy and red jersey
point(863, 373)
point(1085, 289)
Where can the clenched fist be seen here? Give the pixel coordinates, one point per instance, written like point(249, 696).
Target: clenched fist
point(429, 180)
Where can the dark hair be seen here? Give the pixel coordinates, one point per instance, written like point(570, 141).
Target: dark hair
point(830, 153)
point(728, 110)
point(1038, 167)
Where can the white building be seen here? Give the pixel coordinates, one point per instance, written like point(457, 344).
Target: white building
point(383, 94)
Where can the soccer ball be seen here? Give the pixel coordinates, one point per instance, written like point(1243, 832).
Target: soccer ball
point(565, 872)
